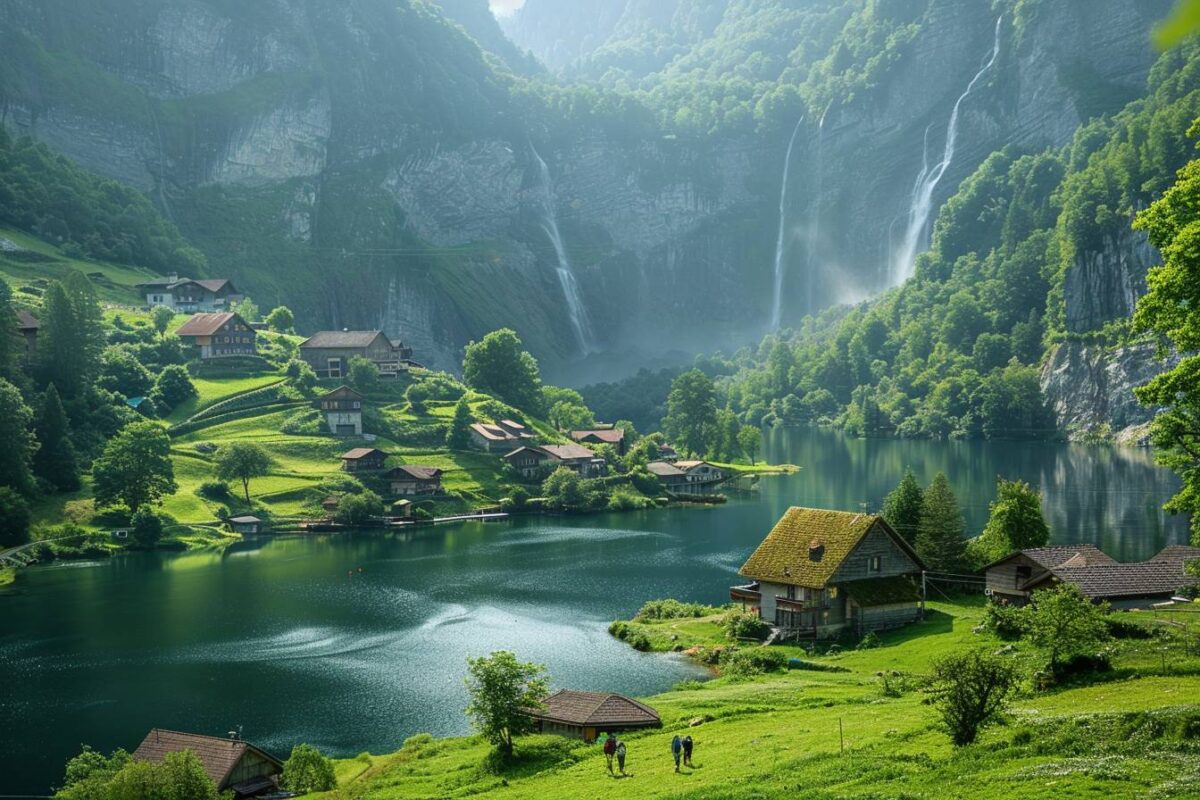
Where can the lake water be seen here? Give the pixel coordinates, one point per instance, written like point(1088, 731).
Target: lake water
point(287, 638)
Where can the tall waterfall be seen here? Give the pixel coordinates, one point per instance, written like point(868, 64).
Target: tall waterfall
point(580, 321)
point(814, 228)
point(917, 233)
point(781, 241)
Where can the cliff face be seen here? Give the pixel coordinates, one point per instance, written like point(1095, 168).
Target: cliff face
point(361, 161)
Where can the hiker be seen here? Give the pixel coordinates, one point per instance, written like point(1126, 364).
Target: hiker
point(621, 757)
point(687, 750)
point(676, 750)
point(610, 748)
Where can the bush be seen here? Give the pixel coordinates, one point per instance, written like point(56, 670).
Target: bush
point(1004, 620)
point(214, 490)
point(671, 609)
point(1082, 664)
point(870, 641)
point(147, 527)
point(306, 422)
point(751, 661)
point(628, 501)
point(638, 641)
point(14, 518)
point(172, 387)
point(357, 509)
point(306, 770)
point(745, 625)
point(517, 500)
point(970, 691)
point(1124, 629)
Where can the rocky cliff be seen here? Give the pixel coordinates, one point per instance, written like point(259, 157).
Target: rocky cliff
point(368, 163)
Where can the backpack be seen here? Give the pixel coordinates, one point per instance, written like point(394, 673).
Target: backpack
point(610, 746)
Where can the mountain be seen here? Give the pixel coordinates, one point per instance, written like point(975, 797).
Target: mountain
point(399, 163)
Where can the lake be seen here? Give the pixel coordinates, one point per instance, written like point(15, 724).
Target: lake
point(289, 640)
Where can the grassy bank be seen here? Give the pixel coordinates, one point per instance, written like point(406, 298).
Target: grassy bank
point(825, 734)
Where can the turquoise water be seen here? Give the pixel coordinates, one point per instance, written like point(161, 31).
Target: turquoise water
point(288, 639)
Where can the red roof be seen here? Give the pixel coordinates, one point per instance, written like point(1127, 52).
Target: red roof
point(219, 756)
point(415, 473)
point(362, 452)
point(597, 710)
point(611, 436)
point(207, 324)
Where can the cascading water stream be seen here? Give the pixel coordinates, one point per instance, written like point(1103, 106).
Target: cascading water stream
point(921, 207)
point(814, 229)
point(580, 321)
point(781, 241)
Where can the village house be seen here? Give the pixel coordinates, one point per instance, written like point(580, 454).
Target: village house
point(343, 409)
point(245, 524)
point(402, 509)
point(538, 461)
point(500, 437)
point(364, 459)
point(219, 335)
point(28, 325)
point(232, 764)
point(820, 572)
point(410, 480)
point(667, 453)
point(329, 352)
point(687, 477)
point(1099, 577)
point(586, 715)
point(188, 295)
point(610, 436)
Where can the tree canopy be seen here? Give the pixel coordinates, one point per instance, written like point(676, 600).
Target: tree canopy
point(135, 467)
point(501, 687)
point(498, 365)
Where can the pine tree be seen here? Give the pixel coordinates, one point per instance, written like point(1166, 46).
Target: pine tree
point(11, 346)
point(902, 508)
point(16, 434)
point(89, 320)
point(940, 533)
point(459, 436)
point(71, 337)
point(55, 461)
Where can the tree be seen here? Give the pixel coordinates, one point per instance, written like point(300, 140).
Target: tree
point(501, 689)
point(459, 435)
point(307, 770)
point(568, 416)
point(16, 432)
point(172, 387)
point(147, 527)
point(902, 507)
point(970, 691)
point(749, 439)
point(55, 461)
point(1062, 622)
point(14, 518)
point(60, 354)
point(161, 317)
point(1171, 309)
point(246, 309)
point(180, 776)
point(563, 488)
point(362, 374)
point(300, 375)
point(242, 461)
point(281, 320)
point(11, 346)
point(357, 509)
point(1014, 523)
point(120, 371)
point(691, 411)
point(498, 365)
point(417, 395)
point(87, 775)
point(940, 532)
point(135, 467)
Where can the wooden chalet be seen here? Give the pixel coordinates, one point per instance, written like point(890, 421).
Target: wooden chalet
point(232, 764)
point(1099, 577)
point(329, 352)
point(536, 461)
point(410, 480)
point(190, 295)
point(687, 477)
point(28, 326)
point(610, 436)
point(500, 437)
point(819, 572)
point(343, 411)
point(219, 335)
point(586, 715)
point(364, 459)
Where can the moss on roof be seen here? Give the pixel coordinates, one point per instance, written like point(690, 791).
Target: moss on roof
point(871, 592)
point(807, 546)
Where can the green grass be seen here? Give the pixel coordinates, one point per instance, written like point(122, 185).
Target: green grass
point(114, 286)
point(783, 735)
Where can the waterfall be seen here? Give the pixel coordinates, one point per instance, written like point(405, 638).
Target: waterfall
point(580, 322)
point(814, 228)
point(781, 241)
point(921, 206)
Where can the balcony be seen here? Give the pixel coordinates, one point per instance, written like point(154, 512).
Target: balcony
point(748, 594)
point(786, 604)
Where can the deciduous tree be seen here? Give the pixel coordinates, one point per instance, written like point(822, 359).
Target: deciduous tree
point(307, 771)
point(749, 439)
point(242, 461)
point(18, 443)
point(281, 320)
point(691, 411)
point(14, 518)
point(161, 317)
point(1062, 622)
point(970, 691)
point(501, 689)
point(135, 468)
point(499, 366)
point(1014, 523)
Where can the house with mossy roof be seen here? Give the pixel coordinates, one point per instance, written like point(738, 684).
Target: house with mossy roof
point(821, 572)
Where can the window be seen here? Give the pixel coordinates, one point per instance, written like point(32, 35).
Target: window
point(1023, 574)
point(876, 564)
point(791, 592)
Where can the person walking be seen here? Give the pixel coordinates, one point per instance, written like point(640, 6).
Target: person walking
point(687, 750)
point(610, 749)
point(676, 750)
point(621, 756)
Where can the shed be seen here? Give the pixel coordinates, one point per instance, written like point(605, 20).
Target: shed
point(585, 715)
point(245, 523)
point(363, 459)
point(232, 764)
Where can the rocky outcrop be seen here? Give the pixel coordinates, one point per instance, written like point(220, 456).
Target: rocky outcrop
point(1104, 285)
point(1090, 387)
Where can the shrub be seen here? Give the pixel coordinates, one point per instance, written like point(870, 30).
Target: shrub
point(745, 625)
point(214, 490)
point(356, 509)
point(870, 641)
point(306, 770)
point(1004, 620)
point(628, 501)
point(670, 609)
point(147, 527)
point(14, 518)
point(517, 500)
point(618, 629)
point(1124, 629)
point(744, 663)
point(638, 641)
point(306, 422)
point(970, 691)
